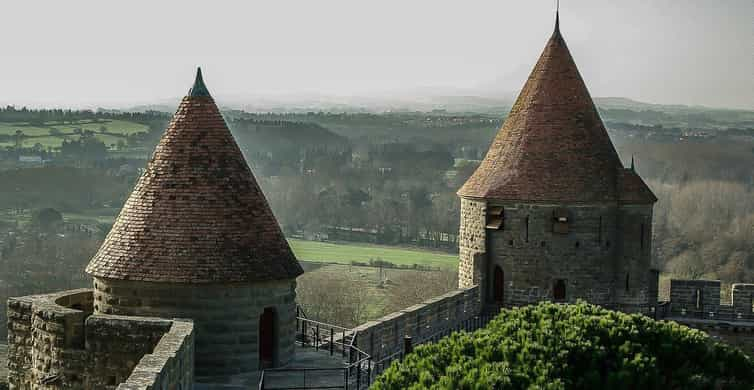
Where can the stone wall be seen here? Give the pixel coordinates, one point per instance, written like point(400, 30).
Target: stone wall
point(226, 317)
point(46, 342)
point(697, 304)
point(742, 299)
point(694, 297)
point(384, 336)
point(635, 280)
point(737, 334)
point(170, 365)
point(601, 254)
point(534, 256)
point(471, 243)
point(55, 342)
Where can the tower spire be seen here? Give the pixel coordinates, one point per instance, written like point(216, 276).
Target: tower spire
point(557, 16)
point(199, 89)
point(633, 168)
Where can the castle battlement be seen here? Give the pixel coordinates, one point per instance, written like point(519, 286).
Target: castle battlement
point(55, 341)
point(701, 299)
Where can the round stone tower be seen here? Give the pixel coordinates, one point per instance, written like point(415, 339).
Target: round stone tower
point(196, 239)
point(551, 213)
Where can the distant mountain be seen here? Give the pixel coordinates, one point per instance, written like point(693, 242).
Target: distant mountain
point(629, 104)
point(441, 99)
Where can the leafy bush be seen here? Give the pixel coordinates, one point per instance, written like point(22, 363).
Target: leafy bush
point(581, 346)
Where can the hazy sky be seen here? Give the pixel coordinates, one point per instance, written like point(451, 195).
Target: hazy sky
point(103, 53)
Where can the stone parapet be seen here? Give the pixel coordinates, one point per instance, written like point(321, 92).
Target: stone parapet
point(55, 342)
point(742, 299)
point(170, 365)
point(694, 296)
point(384, 336)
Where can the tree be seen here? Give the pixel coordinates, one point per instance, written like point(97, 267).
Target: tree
point(410, 288)
point(581, 346)
point(19, 138)
point(46, 218)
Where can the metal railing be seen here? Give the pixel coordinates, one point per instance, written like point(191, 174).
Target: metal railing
point(357, 364)
point(319, 335)
point(360, 369)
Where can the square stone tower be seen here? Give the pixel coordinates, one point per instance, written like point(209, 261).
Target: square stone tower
point(551, 213)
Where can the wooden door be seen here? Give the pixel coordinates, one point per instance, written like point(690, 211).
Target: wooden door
point(267, 338)
point(559, 290)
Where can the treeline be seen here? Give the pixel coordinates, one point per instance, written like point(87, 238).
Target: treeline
point(704, 219)
point(36, 259)
point(395, 194)
point(705, 229)
point(62, 116)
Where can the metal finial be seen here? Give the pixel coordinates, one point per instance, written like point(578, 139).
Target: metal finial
point(632, 163)
point(199, 89)
point(557, 16)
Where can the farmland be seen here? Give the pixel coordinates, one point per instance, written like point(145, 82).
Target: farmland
point(52, 134)
point(346, 253)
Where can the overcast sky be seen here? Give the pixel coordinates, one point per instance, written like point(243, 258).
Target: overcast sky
point(97, 53)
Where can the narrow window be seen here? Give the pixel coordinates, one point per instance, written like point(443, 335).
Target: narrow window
point(527, 228)
point(698, 299)
point(599, 232)
point(560, 221)
point(642, 237)
point(627, 280)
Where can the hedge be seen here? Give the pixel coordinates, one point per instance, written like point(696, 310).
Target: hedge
point(578, 346)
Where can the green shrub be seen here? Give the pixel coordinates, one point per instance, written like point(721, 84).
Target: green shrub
point(581, 346)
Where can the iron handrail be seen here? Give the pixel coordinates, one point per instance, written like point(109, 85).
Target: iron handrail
point(355, 362)
point(340, 328)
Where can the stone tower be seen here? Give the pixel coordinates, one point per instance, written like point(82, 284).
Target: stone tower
point(196, 239)
point(551, 213)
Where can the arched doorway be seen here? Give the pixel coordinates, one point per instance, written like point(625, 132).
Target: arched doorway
point(498, 285)
point(267, 338)
point(559, 290)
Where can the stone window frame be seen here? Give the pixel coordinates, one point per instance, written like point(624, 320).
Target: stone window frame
point(698, 299)
point(561, 220)
point(495, 218)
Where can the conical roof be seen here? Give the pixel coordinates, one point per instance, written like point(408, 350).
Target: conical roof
point(197, 214)
point(553, 146)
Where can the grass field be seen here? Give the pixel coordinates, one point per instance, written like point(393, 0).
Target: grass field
point(116, 129)
point(366, 278)
point(346, 253)
point(85, 218)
